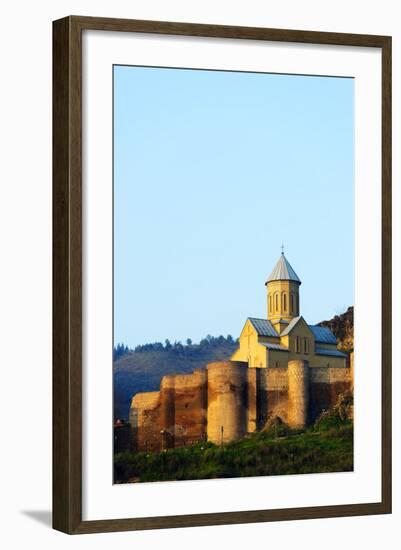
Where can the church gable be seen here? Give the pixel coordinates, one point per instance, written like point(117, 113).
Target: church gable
point(247, 338)
point(250, 342)
point(298, 325)
point(298, 337)
point(247, 329)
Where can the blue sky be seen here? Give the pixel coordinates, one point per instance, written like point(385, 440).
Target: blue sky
point(213, 170)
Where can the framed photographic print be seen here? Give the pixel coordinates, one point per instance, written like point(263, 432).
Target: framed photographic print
point(221, 274)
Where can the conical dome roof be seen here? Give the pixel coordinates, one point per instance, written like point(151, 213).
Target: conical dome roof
point(283, 271)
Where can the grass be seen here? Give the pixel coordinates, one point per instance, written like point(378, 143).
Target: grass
point(261, 454)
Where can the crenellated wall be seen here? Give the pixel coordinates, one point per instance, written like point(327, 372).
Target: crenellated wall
point(228, 399)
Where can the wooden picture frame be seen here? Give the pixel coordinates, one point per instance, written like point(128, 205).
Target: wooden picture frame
point(67, 274)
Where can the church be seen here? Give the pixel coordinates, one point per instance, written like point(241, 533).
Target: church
point(282, 368)
point(285, 335)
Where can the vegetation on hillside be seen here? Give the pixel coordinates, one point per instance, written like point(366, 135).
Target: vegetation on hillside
point(342, 326)
point(278, 451)
point(206, 343)
point(119, 351)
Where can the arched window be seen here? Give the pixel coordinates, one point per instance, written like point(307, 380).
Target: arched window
point(276, 301)
point(270, 303)
point(292, 302)
point(285, 301)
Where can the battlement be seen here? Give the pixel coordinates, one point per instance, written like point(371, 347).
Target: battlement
point(229, 399)
point(148, 400)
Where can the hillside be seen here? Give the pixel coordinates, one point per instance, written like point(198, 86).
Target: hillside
point(315, 450)
point(139, 371)
point(342, 327)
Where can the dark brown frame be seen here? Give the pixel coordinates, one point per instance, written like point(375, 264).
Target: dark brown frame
point(67, 274)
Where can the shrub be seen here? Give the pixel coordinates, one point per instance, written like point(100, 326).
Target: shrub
point(342, 413)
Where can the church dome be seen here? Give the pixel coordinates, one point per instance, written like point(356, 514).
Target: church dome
point(283, 271)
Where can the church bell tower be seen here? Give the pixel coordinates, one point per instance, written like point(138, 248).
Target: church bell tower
point(282, 292)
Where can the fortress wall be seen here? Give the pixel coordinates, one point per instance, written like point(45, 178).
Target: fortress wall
point(167, 411)
point(326, 384)
point(298, 393)
point(320, 398)
point(190, 399)
point(273, 394)
point(227, 400)
point(252, 411)
point(145, 421)
point(340, 381)
point(193, 407)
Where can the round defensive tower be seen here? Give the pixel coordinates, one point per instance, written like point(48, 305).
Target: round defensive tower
point(298, 393)
point(227, 401)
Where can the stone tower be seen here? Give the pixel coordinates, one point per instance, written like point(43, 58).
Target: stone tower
point(298, 393)
point(282, 292)
point(227, 401)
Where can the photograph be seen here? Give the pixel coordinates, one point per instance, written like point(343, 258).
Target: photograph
point(233, 274)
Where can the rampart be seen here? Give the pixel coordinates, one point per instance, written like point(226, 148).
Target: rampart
point(228, 399)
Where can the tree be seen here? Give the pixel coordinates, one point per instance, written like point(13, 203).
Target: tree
point(167, 345)
point(119, 351)
point(188, 342)
point(178, 346)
